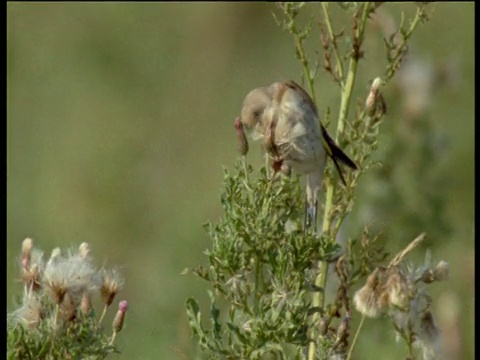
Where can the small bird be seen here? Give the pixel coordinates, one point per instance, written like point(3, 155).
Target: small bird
point(286, 118)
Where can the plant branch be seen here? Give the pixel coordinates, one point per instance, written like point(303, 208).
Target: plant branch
point(354, 341)
point(400, 49)
point(338, 59)
point(321, 279)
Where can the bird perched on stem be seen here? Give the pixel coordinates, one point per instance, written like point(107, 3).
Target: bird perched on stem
point(286, 118)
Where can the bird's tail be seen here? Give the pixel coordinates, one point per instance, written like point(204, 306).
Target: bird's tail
point(336, 154)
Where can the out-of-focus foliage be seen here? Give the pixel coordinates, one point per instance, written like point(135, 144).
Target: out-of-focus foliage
point(120, 116)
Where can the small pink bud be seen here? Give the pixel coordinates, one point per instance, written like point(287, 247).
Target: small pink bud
point(123, 305)
point(119, 317)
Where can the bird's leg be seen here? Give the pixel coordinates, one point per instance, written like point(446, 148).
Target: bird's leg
point(312, 187)
point(311, 211)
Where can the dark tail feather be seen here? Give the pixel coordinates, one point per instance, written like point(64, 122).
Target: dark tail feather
point(337, 154)
point(339, 170)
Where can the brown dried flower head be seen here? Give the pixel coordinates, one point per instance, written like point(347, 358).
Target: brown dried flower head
point(32, 268)
point(111, 283)
point(370, 300)
point(397, 288)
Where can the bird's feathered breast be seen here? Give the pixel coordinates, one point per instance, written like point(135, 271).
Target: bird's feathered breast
point(297, 130)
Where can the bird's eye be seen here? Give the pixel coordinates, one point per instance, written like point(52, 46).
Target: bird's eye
point(256, 113)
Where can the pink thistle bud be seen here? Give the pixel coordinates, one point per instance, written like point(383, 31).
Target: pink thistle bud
point(120, 316)
point(123, 305)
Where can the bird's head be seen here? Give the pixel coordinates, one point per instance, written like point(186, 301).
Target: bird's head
point(254, 106)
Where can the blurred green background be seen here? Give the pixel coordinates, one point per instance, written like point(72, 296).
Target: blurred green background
point(120, 118)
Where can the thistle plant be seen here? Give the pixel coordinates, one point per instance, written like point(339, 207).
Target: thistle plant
point(55, 318)
point(268, 274)
point(399, 292)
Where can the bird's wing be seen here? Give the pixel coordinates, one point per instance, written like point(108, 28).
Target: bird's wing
point(331, 148)
point(303, 94)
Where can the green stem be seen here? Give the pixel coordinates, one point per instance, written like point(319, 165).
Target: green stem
point(334, 44)
point(352, 74)
point(298, 38)
point(304, 61)
point(354, 341)
point(114, 335)
point(103, 314)
point(394, 63)
point(321, 279)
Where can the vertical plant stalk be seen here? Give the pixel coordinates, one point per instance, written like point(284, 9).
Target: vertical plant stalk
point(112, 340)
point(338, 59)
point(303, 59)
point(347, 89)
point(354, 341)
point(104, 311)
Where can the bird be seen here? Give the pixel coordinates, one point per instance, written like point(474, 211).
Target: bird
point(284, 115)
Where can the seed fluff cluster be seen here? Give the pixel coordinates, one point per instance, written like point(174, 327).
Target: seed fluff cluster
point(57, 296)
point(399, 292)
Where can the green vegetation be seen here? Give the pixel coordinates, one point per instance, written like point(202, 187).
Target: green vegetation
point(120, 118)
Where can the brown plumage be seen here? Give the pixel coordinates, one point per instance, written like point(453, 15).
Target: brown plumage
point(286, 118)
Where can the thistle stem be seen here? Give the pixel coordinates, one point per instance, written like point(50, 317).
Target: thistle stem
point(354, 341)
point(114, 335)
point(103, 314)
